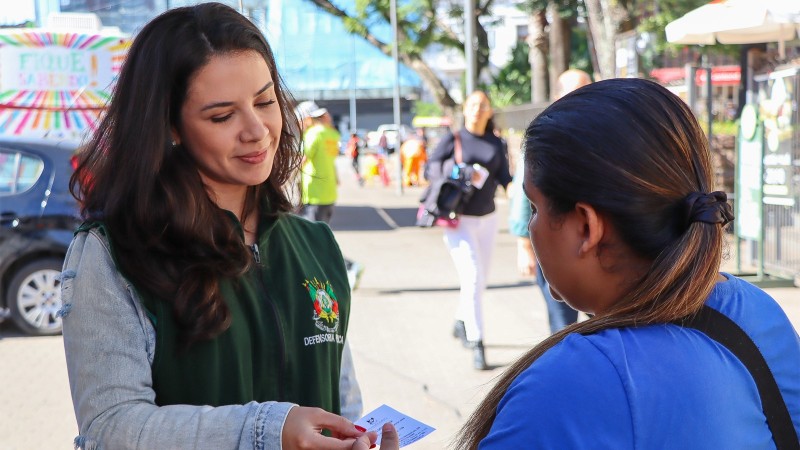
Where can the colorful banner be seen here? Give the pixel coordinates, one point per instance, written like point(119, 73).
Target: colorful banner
point(56, 84)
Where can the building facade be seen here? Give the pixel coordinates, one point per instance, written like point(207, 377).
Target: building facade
point(321, 61)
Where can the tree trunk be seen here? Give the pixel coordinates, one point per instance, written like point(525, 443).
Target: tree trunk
point(482, 48)
point(592, 52)
point(432, 82)
point(560, 46)
point(603, 38)
point(537, 40)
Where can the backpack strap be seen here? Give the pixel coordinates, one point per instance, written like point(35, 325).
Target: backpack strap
point(726, 332)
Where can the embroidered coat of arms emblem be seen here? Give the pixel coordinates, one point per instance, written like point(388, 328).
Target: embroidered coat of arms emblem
point(326, 307)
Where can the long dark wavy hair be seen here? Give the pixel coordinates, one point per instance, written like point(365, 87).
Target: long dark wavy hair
point(633, 151)
point(169, 238)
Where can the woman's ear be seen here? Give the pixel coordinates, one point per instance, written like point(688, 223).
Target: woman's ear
point(594, 228)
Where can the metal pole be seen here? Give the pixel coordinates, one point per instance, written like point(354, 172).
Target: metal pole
point(353, 124)
point(396, 95)
point(691, 89)
point(469, 44)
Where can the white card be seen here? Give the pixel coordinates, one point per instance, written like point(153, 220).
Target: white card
point(479, 175)
point(409, 430)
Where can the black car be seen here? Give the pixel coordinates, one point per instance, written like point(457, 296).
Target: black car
point(37, 218)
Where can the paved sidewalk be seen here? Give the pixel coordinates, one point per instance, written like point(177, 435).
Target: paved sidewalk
point(399, 330)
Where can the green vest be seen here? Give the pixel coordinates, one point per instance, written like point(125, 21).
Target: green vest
point(289, 320)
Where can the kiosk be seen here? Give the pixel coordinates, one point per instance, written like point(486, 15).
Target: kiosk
point(767, 208)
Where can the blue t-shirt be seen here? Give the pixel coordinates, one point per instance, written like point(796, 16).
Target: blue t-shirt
point(653, 387)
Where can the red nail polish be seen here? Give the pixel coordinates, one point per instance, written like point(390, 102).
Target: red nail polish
point(373, 446)
point(361, 429)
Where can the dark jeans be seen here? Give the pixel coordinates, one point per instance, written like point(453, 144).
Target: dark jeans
point(322, 213)
point(318, 213)
point(559, 313)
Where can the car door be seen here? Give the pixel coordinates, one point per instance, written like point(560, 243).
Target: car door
point(24, 182)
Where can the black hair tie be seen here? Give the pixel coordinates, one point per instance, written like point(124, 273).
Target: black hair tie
point(710, 208)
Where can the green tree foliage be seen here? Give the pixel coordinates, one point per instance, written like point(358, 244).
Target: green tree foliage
point(512, 85)
point(421, 24)
point(579, 57)
point(426, 109)
point(655, 17)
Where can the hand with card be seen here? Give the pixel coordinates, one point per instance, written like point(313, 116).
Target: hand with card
point(389, 439)
point(406, 430)
point(303, 430)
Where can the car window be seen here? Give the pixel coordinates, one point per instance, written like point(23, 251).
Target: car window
point(18, 172)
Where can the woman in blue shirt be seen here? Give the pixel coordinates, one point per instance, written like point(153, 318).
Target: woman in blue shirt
point(627, 229)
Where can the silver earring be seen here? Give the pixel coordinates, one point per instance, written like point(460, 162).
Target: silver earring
point(174, 144)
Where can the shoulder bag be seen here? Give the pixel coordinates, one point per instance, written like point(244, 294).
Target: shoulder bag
point(444, 199)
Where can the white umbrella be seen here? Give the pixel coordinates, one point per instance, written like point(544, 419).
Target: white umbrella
point(737, 22)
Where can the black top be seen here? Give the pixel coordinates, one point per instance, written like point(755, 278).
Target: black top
point(490, 152)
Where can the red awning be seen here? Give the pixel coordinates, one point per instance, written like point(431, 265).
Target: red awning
point(667, 75)
point(720, 75)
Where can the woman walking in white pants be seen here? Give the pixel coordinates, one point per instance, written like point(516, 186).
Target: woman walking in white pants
point(472, 240)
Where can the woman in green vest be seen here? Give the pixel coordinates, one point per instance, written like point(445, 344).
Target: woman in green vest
point(198, 312)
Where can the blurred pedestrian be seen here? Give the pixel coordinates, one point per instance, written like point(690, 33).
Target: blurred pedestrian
point(353, 150)
point(471, 242)
point(626, 229)
point(383, 144)
point(420, 133)
point(197, 310)
point(559, 314)
point(519, 214)
point(414, 157)
point(319, 180)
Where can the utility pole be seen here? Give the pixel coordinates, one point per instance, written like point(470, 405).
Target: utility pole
point(396, 95)
point(469, 44)
point(353, 74)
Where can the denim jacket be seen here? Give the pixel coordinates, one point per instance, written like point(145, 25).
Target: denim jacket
point(110, 344)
